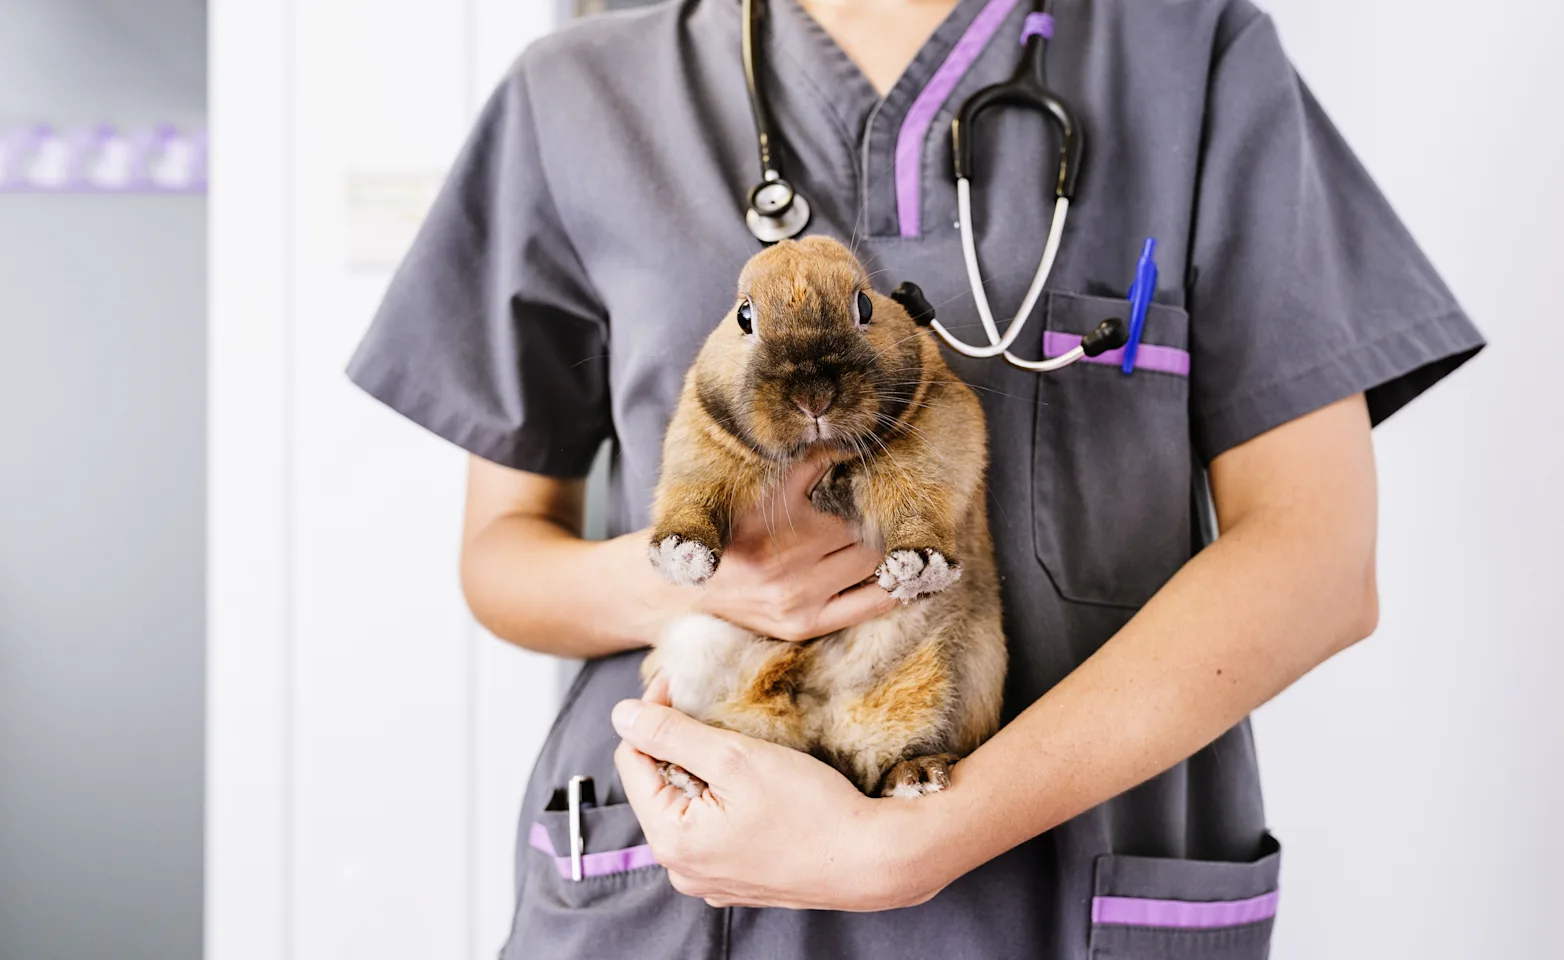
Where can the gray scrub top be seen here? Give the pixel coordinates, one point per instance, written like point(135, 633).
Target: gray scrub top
point(590, 236)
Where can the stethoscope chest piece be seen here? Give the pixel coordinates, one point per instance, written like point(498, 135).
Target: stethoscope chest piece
point(776, 212)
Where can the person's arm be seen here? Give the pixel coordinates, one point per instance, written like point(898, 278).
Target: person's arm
point(531, 579)
point(1289, 583)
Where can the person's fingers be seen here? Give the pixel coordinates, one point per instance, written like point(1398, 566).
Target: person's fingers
point(776, 526)
point(854, 607)
point(651, 681)
point(801, 479)
point(716, 756)
point(649, 796)
point(682, 883)
point(832, 536)
point(846, 568)
point(657, 691)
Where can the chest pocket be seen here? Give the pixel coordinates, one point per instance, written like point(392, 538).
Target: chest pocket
point(1112, 473)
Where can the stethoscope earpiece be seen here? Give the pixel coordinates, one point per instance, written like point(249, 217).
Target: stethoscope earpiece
point(1111, 334)
point(911, 298)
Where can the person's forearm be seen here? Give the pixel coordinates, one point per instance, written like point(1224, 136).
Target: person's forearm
point(1243, 620)
point(533, 583)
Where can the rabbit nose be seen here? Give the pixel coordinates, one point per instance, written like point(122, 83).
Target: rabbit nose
point(816, 401)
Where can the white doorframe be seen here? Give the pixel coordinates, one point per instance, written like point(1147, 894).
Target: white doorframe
point(366, 741)
point(247, 832)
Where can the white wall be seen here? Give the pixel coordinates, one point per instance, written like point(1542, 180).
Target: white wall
point(1417, 782)
point(367, 744)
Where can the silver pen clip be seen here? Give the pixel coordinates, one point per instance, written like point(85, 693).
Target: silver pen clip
point(579, 791)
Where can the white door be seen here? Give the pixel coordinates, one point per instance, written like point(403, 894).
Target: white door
point(367, 742)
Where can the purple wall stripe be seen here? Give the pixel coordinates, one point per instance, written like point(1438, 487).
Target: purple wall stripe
point(102, 159)
point(915, 126)
point(1151, 356)
point(1187, 914)
point(592, 864)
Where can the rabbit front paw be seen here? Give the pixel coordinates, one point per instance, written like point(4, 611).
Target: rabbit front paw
point(683, 561)
point(909, 574)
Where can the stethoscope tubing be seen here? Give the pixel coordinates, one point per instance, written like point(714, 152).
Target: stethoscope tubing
point(770, 150)
point(1000, 344)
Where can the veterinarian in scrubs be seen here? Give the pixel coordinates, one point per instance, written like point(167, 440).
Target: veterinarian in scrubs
point(590, 237)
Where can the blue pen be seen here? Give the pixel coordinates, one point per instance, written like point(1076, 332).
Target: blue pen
point(1141, 292)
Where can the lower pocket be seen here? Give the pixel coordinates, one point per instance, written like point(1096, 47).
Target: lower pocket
point(623, 906)
point(1147, 908)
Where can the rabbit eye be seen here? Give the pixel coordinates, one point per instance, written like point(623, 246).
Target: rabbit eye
point(746, 315)
point(865, 308)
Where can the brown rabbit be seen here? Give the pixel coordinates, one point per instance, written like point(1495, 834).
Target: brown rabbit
point(813, 362)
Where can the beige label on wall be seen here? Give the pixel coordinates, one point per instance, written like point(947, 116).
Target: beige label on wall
point(384, 211)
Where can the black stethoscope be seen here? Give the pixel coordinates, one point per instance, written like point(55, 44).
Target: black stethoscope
point(777, 211)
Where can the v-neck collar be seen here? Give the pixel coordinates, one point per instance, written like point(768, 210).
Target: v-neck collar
point(800, 38)
point(885, 136)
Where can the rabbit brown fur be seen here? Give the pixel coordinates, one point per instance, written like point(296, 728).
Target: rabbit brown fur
point(893, 702)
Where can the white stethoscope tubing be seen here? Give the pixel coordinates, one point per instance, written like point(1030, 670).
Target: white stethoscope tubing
point(997, 343)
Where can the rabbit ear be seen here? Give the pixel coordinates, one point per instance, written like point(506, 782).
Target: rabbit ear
point(914, 302)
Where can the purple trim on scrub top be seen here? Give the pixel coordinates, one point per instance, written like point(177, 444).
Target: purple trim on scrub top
point(915, 125)
point(592, 864)
point(1182, 914)
point(1037, 25)
point(1151, 356)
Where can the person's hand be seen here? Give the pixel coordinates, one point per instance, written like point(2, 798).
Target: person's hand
point(792, 572)
point(775, 828)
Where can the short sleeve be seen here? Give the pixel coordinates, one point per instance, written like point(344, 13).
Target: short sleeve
point(489, 333)
point(1306, 288)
